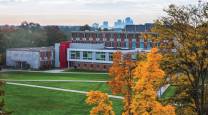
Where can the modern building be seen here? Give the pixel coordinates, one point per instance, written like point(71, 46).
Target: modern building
point(90, 56)
point(34, 58)
point(93, 50)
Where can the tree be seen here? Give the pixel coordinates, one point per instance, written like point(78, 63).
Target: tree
point(138, 82)
point(149, 77)
point(101, 100)
point(2, 104)
point(54, 35)
point(85, 27)
point(186, 29)
point(122, 80)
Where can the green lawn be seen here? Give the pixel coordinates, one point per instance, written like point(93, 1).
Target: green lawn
point(74, 85)
point(51, 76)
point(35, 101)
point(170, 92)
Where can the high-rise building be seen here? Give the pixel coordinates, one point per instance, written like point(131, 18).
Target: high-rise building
point(105, 25)
point(95, 25)
point(119, 24)
point(129, 21)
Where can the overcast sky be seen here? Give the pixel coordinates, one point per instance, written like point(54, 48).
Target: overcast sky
point(76, 12)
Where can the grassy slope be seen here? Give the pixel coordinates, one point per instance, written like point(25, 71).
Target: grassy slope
point(34, 101)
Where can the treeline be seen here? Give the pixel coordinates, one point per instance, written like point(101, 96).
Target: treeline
point(29, 34)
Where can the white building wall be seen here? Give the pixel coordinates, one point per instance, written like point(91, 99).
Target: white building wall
point(57, 60)
point(32, 58)
point(107, 61)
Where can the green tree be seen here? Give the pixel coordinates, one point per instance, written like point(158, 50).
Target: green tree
point(2, 104)
point(54, 35)
point(85, 27)
point(186, 52)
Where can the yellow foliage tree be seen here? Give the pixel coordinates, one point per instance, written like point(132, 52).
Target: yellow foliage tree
point(148, 77)
point(101, 100)
point(122, 80)
point(137, 82)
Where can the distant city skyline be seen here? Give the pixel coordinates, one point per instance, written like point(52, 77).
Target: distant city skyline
point(80, 12)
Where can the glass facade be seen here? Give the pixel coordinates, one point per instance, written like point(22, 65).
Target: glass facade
point(100, 56)
point(141, 43)
point(75, 55)
point(87, 55)
point(134, 43)
point(110, 56)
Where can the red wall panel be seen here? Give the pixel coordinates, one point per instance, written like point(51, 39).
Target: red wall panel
point(63, 54)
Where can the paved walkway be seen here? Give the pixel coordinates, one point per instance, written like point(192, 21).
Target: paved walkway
point(87, 81)
point(57, 89)
point(50, 71)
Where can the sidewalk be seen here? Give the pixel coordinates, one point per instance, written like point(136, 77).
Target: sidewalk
point(57, 89)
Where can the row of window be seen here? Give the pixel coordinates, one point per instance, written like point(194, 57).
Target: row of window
point(88, 55)
point(106, 35)
point(149, 45)
point(45, 55)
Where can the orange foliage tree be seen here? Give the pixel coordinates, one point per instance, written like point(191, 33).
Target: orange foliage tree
point(101, 100)
point(148, 77)
point(137, 82)
point(122, 81)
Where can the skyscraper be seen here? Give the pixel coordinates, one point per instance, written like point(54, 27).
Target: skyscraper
point(129, 21)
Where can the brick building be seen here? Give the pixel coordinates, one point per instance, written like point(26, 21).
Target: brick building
point(93, 50)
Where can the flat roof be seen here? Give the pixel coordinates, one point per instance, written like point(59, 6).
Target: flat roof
point(30, 49)
point(111, 32)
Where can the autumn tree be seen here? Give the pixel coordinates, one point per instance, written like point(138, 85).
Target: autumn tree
point(148, 77)
point(137, 82)
point(186, 52)
point(122, 80)
point(101, 101)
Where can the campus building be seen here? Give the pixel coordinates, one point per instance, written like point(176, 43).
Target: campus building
point(89, 50)
point(88, 56)
point(34, 58)
point(113, 39)
point(94, 50)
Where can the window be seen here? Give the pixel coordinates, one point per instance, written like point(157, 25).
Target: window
point(126, 44)
point(133, 44)
point(87, 55)
point(119, 35)
point(111, 44)
point(141, 43)
point(110, 56)
point(149, 45)
point(87, 35)
point(100, 56)
point(75, 55)
point(118, 44)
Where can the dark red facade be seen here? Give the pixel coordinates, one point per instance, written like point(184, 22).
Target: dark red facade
point(63, 54)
